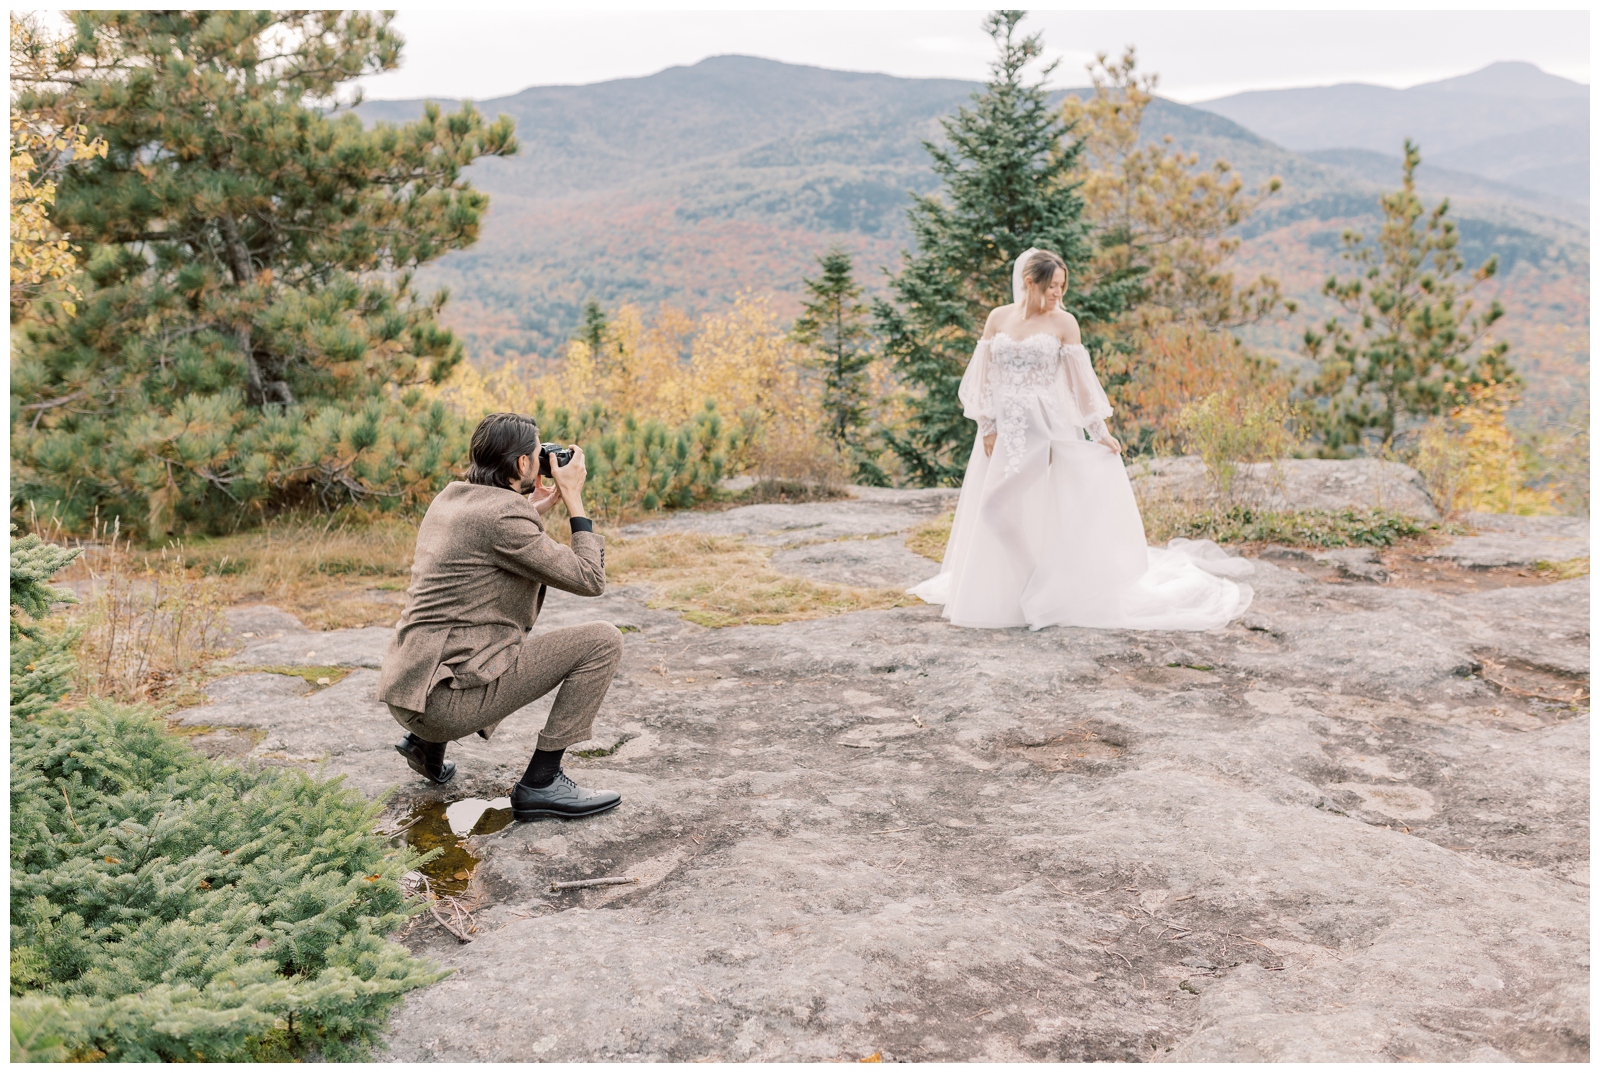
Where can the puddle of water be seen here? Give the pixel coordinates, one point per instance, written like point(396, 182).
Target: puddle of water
point(471, 816)
point(443, 826)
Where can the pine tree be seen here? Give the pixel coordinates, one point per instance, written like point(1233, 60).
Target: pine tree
point(1152, 207)
point(595, 327)
point(1006, 187)
point(1409, 353)
point(250, 327)
point(41, 664)
point(834, 326)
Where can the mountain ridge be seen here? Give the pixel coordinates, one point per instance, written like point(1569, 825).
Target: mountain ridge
point(1463, 123)
point(698, 182)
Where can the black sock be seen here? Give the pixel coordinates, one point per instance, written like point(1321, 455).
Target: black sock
point(542, 768)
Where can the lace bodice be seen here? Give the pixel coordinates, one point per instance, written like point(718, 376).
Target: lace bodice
point(1008, 376)
point(1027, 364)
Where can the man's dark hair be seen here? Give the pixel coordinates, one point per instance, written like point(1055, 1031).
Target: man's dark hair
point(497, 443)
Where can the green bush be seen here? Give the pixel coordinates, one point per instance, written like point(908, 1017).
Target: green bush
point(41, 663)
point(165, 906)
point(640, 466)
point(1304, 528)
point(1230, 427)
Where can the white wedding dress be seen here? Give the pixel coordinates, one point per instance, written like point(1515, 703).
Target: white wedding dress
point(1046, 531)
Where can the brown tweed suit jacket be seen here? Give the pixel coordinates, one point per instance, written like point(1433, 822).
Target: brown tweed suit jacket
point(478, 580)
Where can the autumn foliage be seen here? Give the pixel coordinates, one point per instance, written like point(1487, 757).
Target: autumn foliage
point(1157, 214)
point(665, 406)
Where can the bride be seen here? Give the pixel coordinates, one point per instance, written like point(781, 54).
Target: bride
point(1046, 531)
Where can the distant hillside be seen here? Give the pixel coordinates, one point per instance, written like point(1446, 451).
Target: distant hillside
point(1509, 122)
point(695, 183)
point(1382, 169)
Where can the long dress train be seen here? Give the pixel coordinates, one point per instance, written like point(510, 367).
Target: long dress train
point(1046, 531)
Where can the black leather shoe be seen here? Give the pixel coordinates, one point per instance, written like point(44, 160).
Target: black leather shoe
point(562, 797)
point(426, 758)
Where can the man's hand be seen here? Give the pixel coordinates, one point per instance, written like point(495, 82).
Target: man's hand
point(569, 481)
point(543, 496)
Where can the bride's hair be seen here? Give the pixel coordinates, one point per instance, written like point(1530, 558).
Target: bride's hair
point(1042, 268)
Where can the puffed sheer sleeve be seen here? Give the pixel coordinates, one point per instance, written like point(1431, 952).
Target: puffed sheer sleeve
point(1083, 388)
point(975, 392)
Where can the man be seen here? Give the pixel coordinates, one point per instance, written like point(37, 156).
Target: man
point(462, 659)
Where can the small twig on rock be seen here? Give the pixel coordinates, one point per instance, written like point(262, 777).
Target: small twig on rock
point(1577, 692)
point(1263, 946)
point(401, 830)
point(433, 907)
point(611, 881)
point(1113, 953)
point(977, 1015)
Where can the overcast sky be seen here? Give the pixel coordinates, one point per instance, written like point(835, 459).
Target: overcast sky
point(1198, 54)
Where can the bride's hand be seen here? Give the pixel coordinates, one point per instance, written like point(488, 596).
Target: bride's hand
point(988, 445)
point(1112, 444)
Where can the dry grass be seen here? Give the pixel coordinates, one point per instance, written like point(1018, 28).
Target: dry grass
point(154, 618)
point(146, 625)
point(722, 581)
point(316, 677)
point(929, 538)
point(332, 574)
point(1565, 570)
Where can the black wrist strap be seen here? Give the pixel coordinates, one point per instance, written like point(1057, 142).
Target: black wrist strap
point(582, 525)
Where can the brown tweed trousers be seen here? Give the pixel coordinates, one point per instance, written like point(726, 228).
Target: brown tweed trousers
point(462, 659)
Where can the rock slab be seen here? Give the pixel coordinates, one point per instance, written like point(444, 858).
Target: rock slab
point(1318, 834)
point(1295, 484)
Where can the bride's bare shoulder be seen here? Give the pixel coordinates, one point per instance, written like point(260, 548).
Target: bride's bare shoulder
point(997, 317)
point(1066, 327)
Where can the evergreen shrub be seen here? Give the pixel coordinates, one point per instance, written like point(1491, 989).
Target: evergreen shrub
point(641, 465)
point(169, 907)
point(41, 663)
point(1241, 524)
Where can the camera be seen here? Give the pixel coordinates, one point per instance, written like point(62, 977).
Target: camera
point(547, 452)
